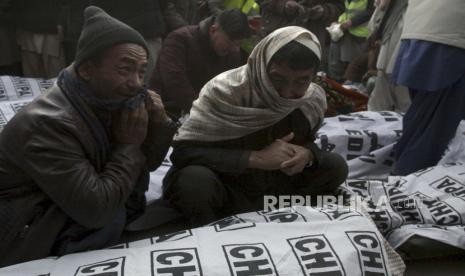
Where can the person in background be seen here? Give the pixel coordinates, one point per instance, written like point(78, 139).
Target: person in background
point(251, 133)
point(145, 16)
point(360, 72)
point(179, 13)
point(315, 15)
point(431, 63)
point(353, 22)
point(249, 8)
point(10, 61)
point(39, 35)
point(74, 163)
point(386, 95)
point(192, 55)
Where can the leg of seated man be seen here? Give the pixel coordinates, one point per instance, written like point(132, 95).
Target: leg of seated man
point(77, 238)
point(197, 192)
point(325, 179)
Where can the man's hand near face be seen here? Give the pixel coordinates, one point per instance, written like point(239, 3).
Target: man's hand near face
point(156, 109)
point(130, 126)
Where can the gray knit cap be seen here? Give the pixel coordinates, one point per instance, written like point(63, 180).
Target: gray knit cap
point(101, 31)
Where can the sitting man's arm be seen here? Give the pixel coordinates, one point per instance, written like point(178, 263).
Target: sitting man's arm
point(235, 161)
point(161, 130)
point(222, 160)
point(56, 161)
point(315, 150)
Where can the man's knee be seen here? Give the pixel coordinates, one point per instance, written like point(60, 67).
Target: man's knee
point(337, 165)
point(197, 192)
point(194, 184)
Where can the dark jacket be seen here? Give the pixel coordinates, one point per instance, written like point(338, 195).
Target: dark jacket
point(186, 62)
point(233, 169)
point(52, 172)
point(274, 17)
point(179, 13)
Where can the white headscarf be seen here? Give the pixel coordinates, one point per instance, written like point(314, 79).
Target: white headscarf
point(243, 100)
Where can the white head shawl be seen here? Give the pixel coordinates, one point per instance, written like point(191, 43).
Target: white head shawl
point(243, 100)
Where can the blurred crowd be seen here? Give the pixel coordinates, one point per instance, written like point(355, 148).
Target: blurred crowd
point(360, 40)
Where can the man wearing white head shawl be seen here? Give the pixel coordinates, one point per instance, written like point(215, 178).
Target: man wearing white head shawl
point(251, 133)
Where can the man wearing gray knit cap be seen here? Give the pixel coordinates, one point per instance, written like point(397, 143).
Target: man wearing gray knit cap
point(74, 164)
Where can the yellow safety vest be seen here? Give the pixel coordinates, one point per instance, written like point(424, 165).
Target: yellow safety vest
point(351, 8)
point(248, 7)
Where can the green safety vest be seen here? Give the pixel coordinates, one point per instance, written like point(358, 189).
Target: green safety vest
point(351, 8)
point(248, 7)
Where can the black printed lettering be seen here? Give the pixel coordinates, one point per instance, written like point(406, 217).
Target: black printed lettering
point(372, 259)
point(367, 241)
point(345, 119)
point(176, 262)
point(373, 140)
point(282, 216)
point(355, 144)
point(112, 267)
point(249, 259)
point(319, 260)
point(325, 144)
point(101, 267)
point(451, 186)
point(177, 271)
point(369, 158)
point(173, 236)
point(441, 212)
point(354, 132)
point(396, 195)
point(370, 253)
point(316, 255)
point(252, 268)
point(181, 257)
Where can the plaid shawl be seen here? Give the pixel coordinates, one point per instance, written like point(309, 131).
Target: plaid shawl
point(243, 100)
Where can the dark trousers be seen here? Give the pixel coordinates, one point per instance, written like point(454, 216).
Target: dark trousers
point(77, 238)
point(204, 196)
point(429, 125)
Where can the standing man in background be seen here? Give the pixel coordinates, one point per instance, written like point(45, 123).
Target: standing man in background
point(431, 63)
point(145, 16)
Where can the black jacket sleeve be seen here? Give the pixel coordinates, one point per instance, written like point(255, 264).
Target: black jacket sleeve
point(313, 147)
point(222, 160)
point(55, 159)
point(157, 143)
